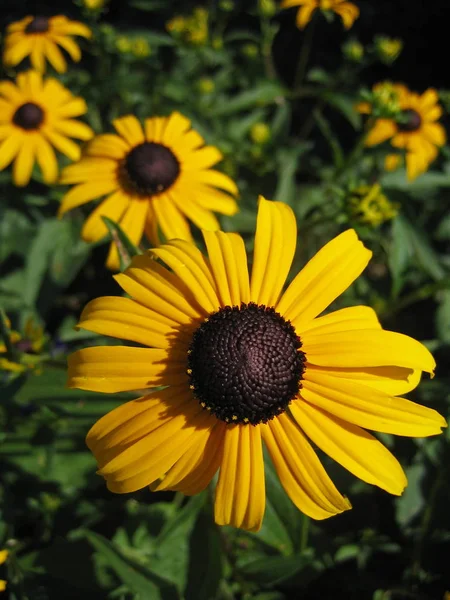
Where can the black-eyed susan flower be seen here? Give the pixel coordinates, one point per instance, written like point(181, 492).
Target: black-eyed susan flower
point(414, 129)
point(40, 38)
point(348, 11)
point(37, 115)
point(242, 363)
point(155, 177)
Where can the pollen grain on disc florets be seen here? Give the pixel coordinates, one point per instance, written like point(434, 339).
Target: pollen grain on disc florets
point(150, 168)
point(39, 24)
point(245, 364)
point(28, 116)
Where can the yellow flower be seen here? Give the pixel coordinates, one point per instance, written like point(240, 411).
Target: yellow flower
point(176, 25)
point(94, 4)
point(353, 50)
point(9, 365)
point(206, 86)
point(3, 557)
point(39, 38)
point(348, 11)
point(154, 178)
point(388, 49)
point(192, 29)
point(416, 130)
point(241, 363)
point(140, 48)
point(260, 133)
point(123, 44)
point(370, 206)
point(36, 116)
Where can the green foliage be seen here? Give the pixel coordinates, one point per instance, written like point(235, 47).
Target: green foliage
point(292, 137)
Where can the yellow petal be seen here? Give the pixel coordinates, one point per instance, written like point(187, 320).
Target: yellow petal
point(220, 180)
point(367, 348)
point(24, 162)
point(74, 129)
point(113, 208)
point(132, 224)
point(112, 369)
point(108, 145)
point(395, 381)
point(171, 220)
point(130, 129)
point(352, 447)
point(345, 319)
point(329, 273)
point(90, 169)
point(380, 132)
point(201, 217)
point(153, 286)
point(85, 192)
point(54, 56)
point(304, 15)
point(240, 492)
point(125, 319)
point(202, 159)
point(369, 408)
point(275, 241)
point(300, 471)
point(10, 147)
point(228, 260)
point(195, 469)
point(46, 160)
point(177, 125)
point(190, 266)
point(69, 46)
point(61, 143)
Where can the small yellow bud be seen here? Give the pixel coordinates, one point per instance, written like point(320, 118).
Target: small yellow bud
point(250, 50)
point(388, 49)
point(260, 133)
point(370, 206)
point(123, 44)
point(353, 51)
point(141, 48)
point(206, 86)
point(94, 4)
point(267, 8)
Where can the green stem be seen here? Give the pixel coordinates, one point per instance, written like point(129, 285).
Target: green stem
point(303, 58)
point(269, 32)
point(357, 149)
point(304, 533)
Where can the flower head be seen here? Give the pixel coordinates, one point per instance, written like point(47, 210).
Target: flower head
point(388, 49)
point(40, 38)
point(370, 206)
point(36, 115)
point(156, 177)
point(348, 11)
point(414, 129)
point(3, 558)
point(240, 363)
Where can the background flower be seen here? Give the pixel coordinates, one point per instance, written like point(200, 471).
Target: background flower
point(39, 38)
point(36, 115)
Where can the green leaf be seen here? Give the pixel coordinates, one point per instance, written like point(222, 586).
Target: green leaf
point(125, 247)
point(149, 5)
point(263, 94)
point(276, 569)
point(345, 105)
point(399, 253)
point(443, 316)
point(428, 181)
point(288, 158)
point(205, 560)
point(139, 579)
point(172, 545)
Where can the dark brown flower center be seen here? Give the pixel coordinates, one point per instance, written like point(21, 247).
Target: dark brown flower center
point(410, 120)
point(151, 168)
point(28, 116)
point(245, 364)
point(37, 25)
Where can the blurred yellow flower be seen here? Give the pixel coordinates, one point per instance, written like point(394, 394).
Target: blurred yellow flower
point(192, 29)
point(267, 8)
point(39, 38)
point(156, 177)
point(260, 133)
point(36, 115)
point(348, 11)
point(94, 4)
point(206, 85)
point(353, 50)
point(140, 48)
point(370, 206)
point(123, 44)
point(388, 49)
point(3, 557)
point(392, 162)
point(415, 130)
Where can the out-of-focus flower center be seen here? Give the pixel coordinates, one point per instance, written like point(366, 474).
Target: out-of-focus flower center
point(245, 364)
point(28, 116)
point(151, 168)
point(410, 120)
point(37, 25)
